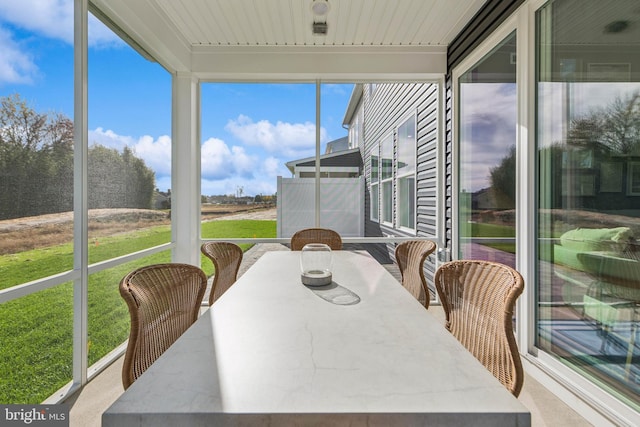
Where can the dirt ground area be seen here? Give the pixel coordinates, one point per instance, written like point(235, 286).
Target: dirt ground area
point(22, 234)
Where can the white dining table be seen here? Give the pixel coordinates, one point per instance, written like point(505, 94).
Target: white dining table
point(359, 352)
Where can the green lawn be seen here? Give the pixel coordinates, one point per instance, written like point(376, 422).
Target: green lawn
point(37, 330)
point(492, 230)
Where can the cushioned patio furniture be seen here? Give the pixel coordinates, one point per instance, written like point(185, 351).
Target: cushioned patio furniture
point(610, 241)
point(163, 301)
point(327, 236)
point(605, 262)
point(410, 256)
point(226, 258)
point(478, 298)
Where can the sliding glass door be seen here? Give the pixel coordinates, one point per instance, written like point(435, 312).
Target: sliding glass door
point(486, 156)
point(588, 148)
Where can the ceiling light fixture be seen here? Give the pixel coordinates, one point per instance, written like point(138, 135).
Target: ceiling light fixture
point(616, 27)
point(320, 9)
point(319, 29)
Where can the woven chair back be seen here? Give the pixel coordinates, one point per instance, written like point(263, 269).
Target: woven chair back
point(410, 256)
point(226, 258)
point(163, 301)
point(329, 237)
point(478, 298)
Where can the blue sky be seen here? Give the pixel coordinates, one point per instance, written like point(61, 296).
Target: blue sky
point(249, 131)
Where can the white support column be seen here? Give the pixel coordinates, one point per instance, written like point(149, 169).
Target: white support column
point(525, 182)
point(317, 191)
point(80, 195)
point(185, 170)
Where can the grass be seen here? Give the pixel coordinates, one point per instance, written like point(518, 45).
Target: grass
point(477, 229)
point(37, 330)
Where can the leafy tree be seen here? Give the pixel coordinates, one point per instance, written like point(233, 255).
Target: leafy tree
point(36, 160)
point(612, 129)
point(119, 180)
point(503, 179)
point(36, 166)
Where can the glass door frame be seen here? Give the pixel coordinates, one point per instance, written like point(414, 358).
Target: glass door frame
point(584, 396)
point(591, 401)
point(524, 190)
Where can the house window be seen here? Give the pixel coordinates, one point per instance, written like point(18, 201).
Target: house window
point(386, 178)
point(354, 131)
point(406, 173)
point(356, 126)
point(633, 187)
point(375, 184)
point(359, 127)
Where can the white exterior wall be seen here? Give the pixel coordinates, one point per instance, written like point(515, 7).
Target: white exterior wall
point(341, 199)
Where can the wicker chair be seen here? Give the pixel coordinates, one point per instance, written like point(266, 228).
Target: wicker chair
point(316, 235)
point(226, 258)
point(478, 298)
point(410, 257)
point(163, 300)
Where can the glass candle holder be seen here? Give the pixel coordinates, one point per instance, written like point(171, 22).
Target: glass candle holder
point(315, 264)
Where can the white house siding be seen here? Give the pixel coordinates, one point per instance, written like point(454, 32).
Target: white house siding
point(384, 110)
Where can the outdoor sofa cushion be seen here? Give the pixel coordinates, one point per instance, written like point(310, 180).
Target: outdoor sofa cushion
point(597, 239)
point(610, 242)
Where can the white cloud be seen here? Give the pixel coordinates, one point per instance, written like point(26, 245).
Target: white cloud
point(224, 168)
point(101, 36)
point(110, 139)
point(156, 153)
point(282, 141)
point(293, 140)
point(16, 65)
point(221, 162)
point(53, 19)
point(263, 178)
point(242, 162)
point(216, 159)
point(273, 167)
point(44, 18)
point(266, 181)
point(489, 121)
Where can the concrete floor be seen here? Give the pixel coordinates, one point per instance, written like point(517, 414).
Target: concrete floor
point(87, 406)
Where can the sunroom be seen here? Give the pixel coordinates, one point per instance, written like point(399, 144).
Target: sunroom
point(523, 122)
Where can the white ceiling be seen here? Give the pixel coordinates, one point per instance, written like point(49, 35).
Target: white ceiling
point(288, 22)
point(575, 13)
point(246, 39)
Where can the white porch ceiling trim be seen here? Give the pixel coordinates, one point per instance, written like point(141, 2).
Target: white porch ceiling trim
point(319, 62)
point(270, 40)
point(149, 27)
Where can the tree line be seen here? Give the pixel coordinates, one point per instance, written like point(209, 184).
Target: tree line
point(36, 166)
point(608, 131)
